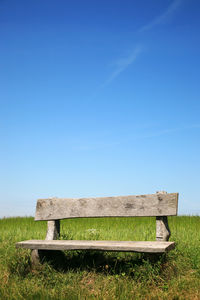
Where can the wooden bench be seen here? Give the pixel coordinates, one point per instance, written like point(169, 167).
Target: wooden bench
point(160, 205)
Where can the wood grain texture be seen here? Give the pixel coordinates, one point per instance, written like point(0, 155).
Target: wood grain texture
point(124, 246)
point(122, 206)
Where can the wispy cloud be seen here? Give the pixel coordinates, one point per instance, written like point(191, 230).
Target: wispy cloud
point(123, 63)
point(104, 142)
point(163, 17)
point(170, 130)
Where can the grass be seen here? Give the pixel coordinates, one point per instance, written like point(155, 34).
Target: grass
point(101, 275)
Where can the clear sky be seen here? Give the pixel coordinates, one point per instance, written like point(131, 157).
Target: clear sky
point(99, 98)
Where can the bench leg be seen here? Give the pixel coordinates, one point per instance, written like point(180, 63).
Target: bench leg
point(38, 256)
point(53, 233)
point(35, 258)
point(55, 257)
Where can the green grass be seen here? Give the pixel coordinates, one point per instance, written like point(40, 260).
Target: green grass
point(101, 275)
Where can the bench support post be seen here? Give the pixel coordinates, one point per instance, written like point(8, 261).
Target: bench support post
point(36, 258)
point(162, 229)
point(53, 230)
point(53, 233)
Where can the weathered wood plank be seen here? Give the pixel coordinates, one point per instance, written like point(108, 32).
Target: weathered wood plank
point(127, 246)
point(121, 206)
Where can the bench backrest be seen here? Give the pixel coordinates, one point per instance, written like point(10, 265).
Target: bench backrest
point(158, 204)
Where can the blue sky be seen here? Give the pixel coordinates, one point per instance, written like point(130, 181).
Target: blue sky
point(99, 98)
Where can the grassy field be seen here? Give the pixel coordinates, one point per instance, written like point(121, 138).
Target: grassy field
point(101, 275)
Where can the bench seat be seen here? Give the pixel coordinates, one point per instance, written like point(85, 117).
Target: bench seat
point(126, 246)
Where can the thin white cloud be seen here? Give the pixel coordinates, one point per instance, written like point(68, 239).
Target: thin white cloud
point(171, 130)
point(104, 142)
point(163, 17)
point(123, 63)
